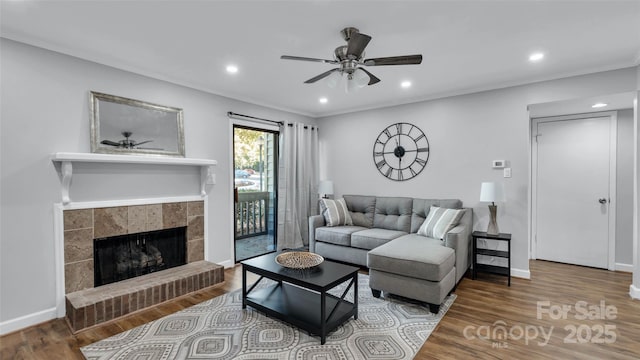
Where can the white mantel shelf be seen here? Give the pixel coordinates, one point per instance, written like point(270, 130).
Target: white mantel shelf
point(130, 159)
point(207, 177)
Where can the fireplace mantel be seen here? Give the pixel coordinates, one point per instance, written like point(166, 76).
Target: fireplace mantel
point(66, 159)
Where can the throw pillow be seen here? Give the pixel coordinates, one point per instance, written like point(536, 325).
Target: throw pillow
point(335, 212)
point(439, 222)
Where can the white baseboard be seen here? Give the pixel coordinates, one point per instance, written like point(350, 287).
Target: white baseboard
point(519, 273)
point(624, 267)
point(27, 320)
point(227, 264)
point(634, 292)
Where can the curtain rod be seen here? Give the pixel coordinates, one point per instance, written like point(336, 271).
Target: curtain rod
point(236, 115)
point(281, 123)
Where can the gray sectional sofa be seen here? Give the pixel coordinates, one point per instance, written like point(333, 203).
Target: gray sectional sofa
point(384, 238)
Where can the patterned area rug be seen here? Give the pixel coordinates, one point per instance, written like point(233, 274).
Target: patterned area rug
point(387, 328)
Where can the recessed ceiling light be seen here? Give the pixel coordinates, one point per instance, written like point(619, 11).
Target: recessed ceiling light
point(405, 84)
point(599, 105)
point(232, 69)
point(323, 100)
point(536, 57)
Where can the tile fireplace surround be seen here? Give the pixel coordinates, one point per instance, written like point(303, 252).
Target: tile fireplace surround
point(87, 306)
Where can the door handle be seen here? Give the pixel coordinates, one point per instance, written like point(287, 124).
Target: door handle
point(602, 201)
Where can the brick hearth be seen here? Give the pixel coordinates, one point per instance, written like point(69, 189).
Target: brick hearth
point(93, 306)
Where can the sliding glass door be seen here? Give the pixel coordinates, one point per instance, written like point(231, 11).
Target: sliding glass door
point(255, 185)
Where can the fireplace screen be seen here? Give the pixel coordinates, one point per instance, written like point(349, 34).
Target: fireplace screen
point(122, 257)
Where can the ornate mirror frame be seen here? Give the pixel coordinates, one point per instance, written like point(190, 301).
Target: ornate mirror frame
point(126, 126)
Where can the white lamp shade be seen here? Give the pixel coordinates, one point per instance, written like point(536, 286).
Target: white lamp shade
point(357, 80)
point(333, 79)
point(350, 85)
point(361, 78)
point(492, 192)
point(325, 187)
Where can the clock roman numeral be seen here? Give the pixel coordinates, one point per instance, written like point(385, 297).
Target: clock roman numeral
point(424, 149)
point(379, 142)
point(378, 153)
point(399, 128)
point(388, 173)
point(387, 132)
point(400, 177)
point(421, 161)
point(413, 172)
point(418, 138)
point(380, 164)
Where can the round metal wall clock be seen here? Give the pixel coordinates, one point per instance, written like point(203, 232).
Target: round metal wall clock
point(401, 151)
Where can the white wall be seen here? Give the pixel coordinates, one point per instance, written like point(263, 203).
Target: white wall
point(465, 133)
point(45, 109)
point(634, 290)
point(624, 190)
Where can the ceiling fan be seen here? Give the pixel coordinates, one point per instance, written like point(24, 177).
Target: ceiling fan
point(350, 60)
point(126, 143)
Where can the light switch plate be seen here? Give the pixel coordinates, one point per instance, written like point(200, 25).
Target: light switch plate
point(507, 172)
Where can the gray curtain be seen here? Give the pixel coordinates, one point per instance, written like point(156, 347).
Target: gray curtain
point(297, 185)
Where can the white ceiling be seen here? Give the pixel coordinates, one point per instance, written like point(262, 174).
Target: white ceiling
point(467, 46)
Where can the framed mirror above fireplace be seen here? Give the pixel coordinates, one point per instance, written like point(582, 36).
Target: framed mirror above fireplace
point(121, 125)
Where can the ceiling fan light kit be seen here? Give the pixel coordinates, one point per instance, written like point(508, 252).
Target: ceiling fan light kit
point(360, 77)
point(350, 60)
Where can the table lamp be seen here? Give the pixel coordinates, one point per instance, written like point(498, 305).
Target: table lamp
point(325, 188)
point(492, 192)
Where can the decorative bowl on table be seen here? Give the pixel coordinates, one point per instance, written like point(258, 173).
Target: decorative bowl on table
point(299, 260)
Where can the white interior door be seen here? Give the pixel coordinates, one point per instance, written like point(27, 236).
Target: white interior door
point(572, 190)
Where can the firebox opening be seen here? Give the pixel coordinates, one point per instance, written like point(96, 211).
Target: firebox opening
point(118, 258)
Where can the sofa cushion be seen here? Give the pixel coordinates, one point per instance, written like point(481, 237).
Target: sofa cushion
point(424, 240)
point(335, 212)
point(362, 209)
point(413, 256)
point(339, 235)
point(372, 238)
point(393, 213)
point(421, 209)
point(439, 222)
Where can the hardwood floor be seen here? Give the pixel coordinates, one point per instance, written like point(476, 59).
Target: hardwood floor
point(465, 332)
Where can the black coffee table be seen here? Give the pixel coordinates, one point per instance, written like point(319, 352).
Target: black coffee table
point(299, 297)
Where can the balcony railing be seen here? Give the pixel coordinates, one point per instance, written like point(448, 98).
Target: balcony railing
point(252, 214)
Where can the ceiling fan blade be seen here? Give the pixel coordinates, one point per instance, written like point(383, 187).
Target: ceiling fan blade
point(289, 57)
point(357, 43)
point(394, 60)
point(143, 142)
point(109, 142)
point(372, 78)
point(321, 76)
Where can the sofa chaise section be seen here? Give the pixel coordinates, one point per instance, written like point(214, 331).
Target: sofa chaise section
point(413, 268)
